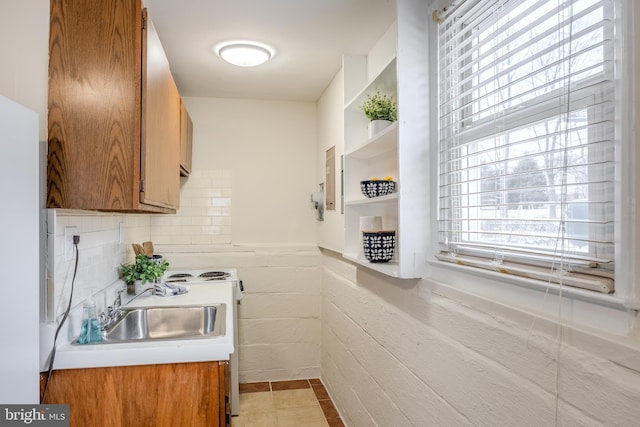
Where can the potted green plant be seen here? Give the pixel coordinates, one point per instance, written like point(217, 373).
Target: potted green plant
point(144, 270)
point(381, 110)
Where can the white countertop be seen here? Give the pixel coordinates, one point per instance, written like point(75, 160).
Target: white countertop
point(69, 356)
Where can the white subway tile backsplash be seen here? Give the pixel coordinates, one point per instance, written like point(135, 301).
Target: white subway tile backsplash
point(100, 253)
point(221, 238)
point(201, 240)
point(202, 220)
point(180, 239)
point(213, 211)
point(205, 199)
point(213, 192)
point(220, 201)
point(200, 202)
point(162, 239)
point(220, 220)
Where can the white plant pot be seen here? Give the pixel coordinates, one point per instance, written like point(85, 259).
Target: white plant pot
point(375, 126)
point(139, 287)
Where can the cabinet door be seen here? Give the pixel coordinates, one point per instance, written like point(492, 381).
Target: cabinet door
point(94, 105)
point(186, 140)
point(96, 112)
point(180, 394)
point(160, 142)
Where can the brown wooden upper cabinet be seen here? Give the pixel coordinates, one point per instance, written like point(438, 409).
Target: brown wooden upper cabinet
point(186, 140)
point(114, 110)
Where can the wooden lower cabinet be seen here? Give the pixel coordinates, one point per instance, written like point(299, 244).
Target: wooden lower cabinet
point(180, 394)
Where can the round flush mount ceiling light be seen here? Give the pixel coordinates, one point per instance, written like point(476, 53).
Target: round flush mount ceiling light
point(244, 53)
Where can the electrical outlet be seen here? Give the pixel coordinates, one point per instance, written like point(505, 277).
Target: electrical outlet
point(69, 232)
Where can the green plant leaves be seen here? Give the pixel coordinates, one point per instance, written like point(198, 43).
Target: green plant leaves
point(380, 107)
point(144, 269)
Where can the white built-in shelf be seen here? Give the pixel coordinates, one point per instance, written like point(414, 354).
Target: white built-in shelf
point(384, 141)
point(389, 268)
point(399, 151)
point(389, 198)
point(386, 82)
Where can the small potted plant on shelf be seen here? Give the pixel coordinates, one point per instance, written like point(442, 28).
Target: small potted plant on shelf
point(144, 270)
point(381, 110)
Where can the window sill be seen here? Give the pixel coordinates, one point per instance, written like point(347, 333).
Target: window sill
point(566, 305)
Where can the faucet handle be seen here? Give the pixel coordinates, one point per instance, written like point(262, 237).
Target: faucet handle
point(118, 301)
point(102, 321)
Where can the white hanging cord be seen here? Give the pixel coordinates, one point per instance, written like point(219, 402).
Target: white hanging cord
point(561, 233)
point(563, 216)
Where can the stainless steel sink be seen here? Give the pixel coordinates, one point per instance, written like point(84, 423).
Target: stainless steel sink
point(168, 323)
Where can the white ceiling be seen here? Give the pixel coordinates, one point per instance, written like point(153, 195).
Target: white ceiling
point(309, 36)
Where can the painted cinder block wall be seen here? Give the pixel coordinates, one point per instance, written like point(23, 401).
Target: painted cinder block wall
point(405, 353)
point(279, 314)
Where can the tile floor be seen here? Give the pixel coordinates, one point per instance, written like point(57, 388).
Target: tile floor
point(297, 403)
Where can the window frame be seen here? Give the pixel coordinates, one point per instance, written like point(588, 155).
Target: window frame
point(614, 312)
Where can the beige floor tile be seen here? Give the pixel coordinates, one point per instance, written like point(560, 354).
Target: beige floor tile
point(295, 398)
point(301, 417)
point(251, 403)
point(290, 406)
point(259, 419)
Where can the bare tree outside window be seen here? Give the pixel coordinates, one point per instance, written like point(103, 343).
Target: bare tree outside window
point(526, 128)
point(525, 87)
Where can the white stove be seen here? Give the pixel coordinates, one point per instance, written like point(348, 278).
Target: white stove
point(213, 276)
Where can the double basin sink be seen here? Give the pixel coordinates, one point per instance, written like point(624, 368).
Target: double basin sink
point(167, 323)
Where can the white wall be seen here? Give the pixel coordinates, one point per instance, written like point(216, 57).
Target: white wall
point(246, 205)
point(264, 153)
point(330, 119)
point(24, 49)
point(19, 252)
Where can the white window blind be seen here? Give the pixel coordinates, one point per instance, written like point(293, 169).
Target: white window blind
point(526, 139)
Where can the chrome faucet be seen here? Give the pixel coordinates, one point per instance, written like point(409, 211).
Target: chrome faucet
point(113, 312)
point(152, 289)
point(117, 304)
